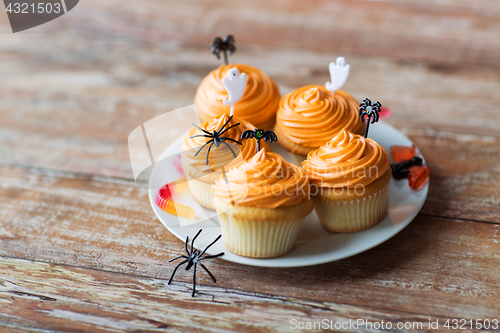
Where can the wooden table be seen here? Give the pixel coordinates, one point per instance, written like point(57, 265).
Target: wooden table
point(80, 247)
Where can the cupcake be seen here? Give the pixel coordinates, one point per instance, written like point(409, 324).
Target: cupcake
point(262, 205)
point(349, 178)
point(257, 106)
point(201, 176)
point(310, 116)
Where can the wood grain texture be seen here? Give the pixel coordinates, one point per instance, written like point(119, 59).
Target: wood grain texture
point(80, 248)
point(66, 298)
point(438, 266)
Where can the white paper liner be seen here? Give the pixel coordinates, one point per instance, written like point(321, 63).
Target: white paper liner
point(201, 192)
point(352, 215)
point(257, 239)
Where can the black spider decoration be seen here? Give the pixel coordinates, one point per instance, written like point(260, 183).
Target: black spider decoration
point(370, 111)
point(259, 134)
point(225, 45)
point(215, 138)
point(194, 258)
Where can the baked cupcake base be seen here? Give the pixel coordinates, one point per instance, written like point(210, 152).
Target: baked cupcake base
point(261, 232)
point(343, 210)
point(200, 183)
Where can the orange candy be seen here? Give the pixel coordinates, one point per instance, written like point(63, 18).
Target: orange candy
point(419, 175)
point(163, 201)
point(402, 153)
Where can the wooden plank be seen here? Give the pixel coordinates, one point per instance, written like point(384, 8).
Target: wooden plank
point(47, 297)
point(438, 266)
point(451, 32)
point(465, 176)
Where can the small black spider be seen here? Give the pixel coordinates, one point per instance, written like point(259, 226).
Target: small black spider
point(216, 138)
point(194, 257)
point(225, 45)
point(259, 134)
point(370, 111)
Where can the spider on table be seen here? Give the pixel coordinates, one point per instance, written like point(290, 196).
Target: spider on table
point(194, 258)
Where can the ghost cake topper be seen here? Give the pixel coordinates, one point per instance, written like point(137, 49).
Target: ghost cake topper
point(235, 86)
point(339, 72)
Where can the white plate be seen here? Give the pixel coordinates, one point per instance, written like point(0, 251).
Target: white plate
point(314, 245)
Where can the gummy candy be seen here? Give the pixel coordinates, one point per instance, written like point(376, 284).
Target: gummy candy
point(164, 202)
point(385, 112)
point(401, 170)
point(402, 153)
point(418, 176)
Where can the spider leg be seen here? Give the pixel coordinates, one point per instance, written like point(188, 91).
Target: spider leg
point(175, 270)
point(206, 270)
point(201, 129)
point(203, 135)
point(228, 146)
point(226, 138)
point(206, 143)
point(227, 122)
point(212, 256)
point(210, 245)
point(194, 280)
point(208, 152)
point(186, 246)
point(194, 238)
point(227, 129)
point(181, 256)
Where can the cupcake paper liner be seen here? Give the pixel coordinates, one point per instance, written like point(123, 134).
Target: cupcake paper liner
point(258, 239)
point(352, 215)
point(201, 192)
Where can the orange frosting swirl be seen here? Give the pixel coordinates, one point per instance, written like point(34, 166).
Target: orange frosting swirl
point(311, 115)
point(266, 181)
point(347, 160)
point(257, 106)
point(219, 156)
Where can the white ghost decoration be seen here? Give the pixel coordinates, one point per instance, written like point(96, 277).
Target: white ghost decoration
point(235, 86)
point(338, 74)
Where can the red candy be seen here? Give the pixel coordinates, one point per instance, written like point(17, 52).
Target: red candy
point(419, 175)
point(402, 153)
point(163, 201)
point(165, 192)
point(385, 112)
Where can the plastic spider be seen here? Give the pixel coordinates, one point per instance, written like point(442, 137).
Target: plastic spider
point(216, 138)
point(194, 258)
point(225, 45)
point(370, 111)
point(259, 134)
